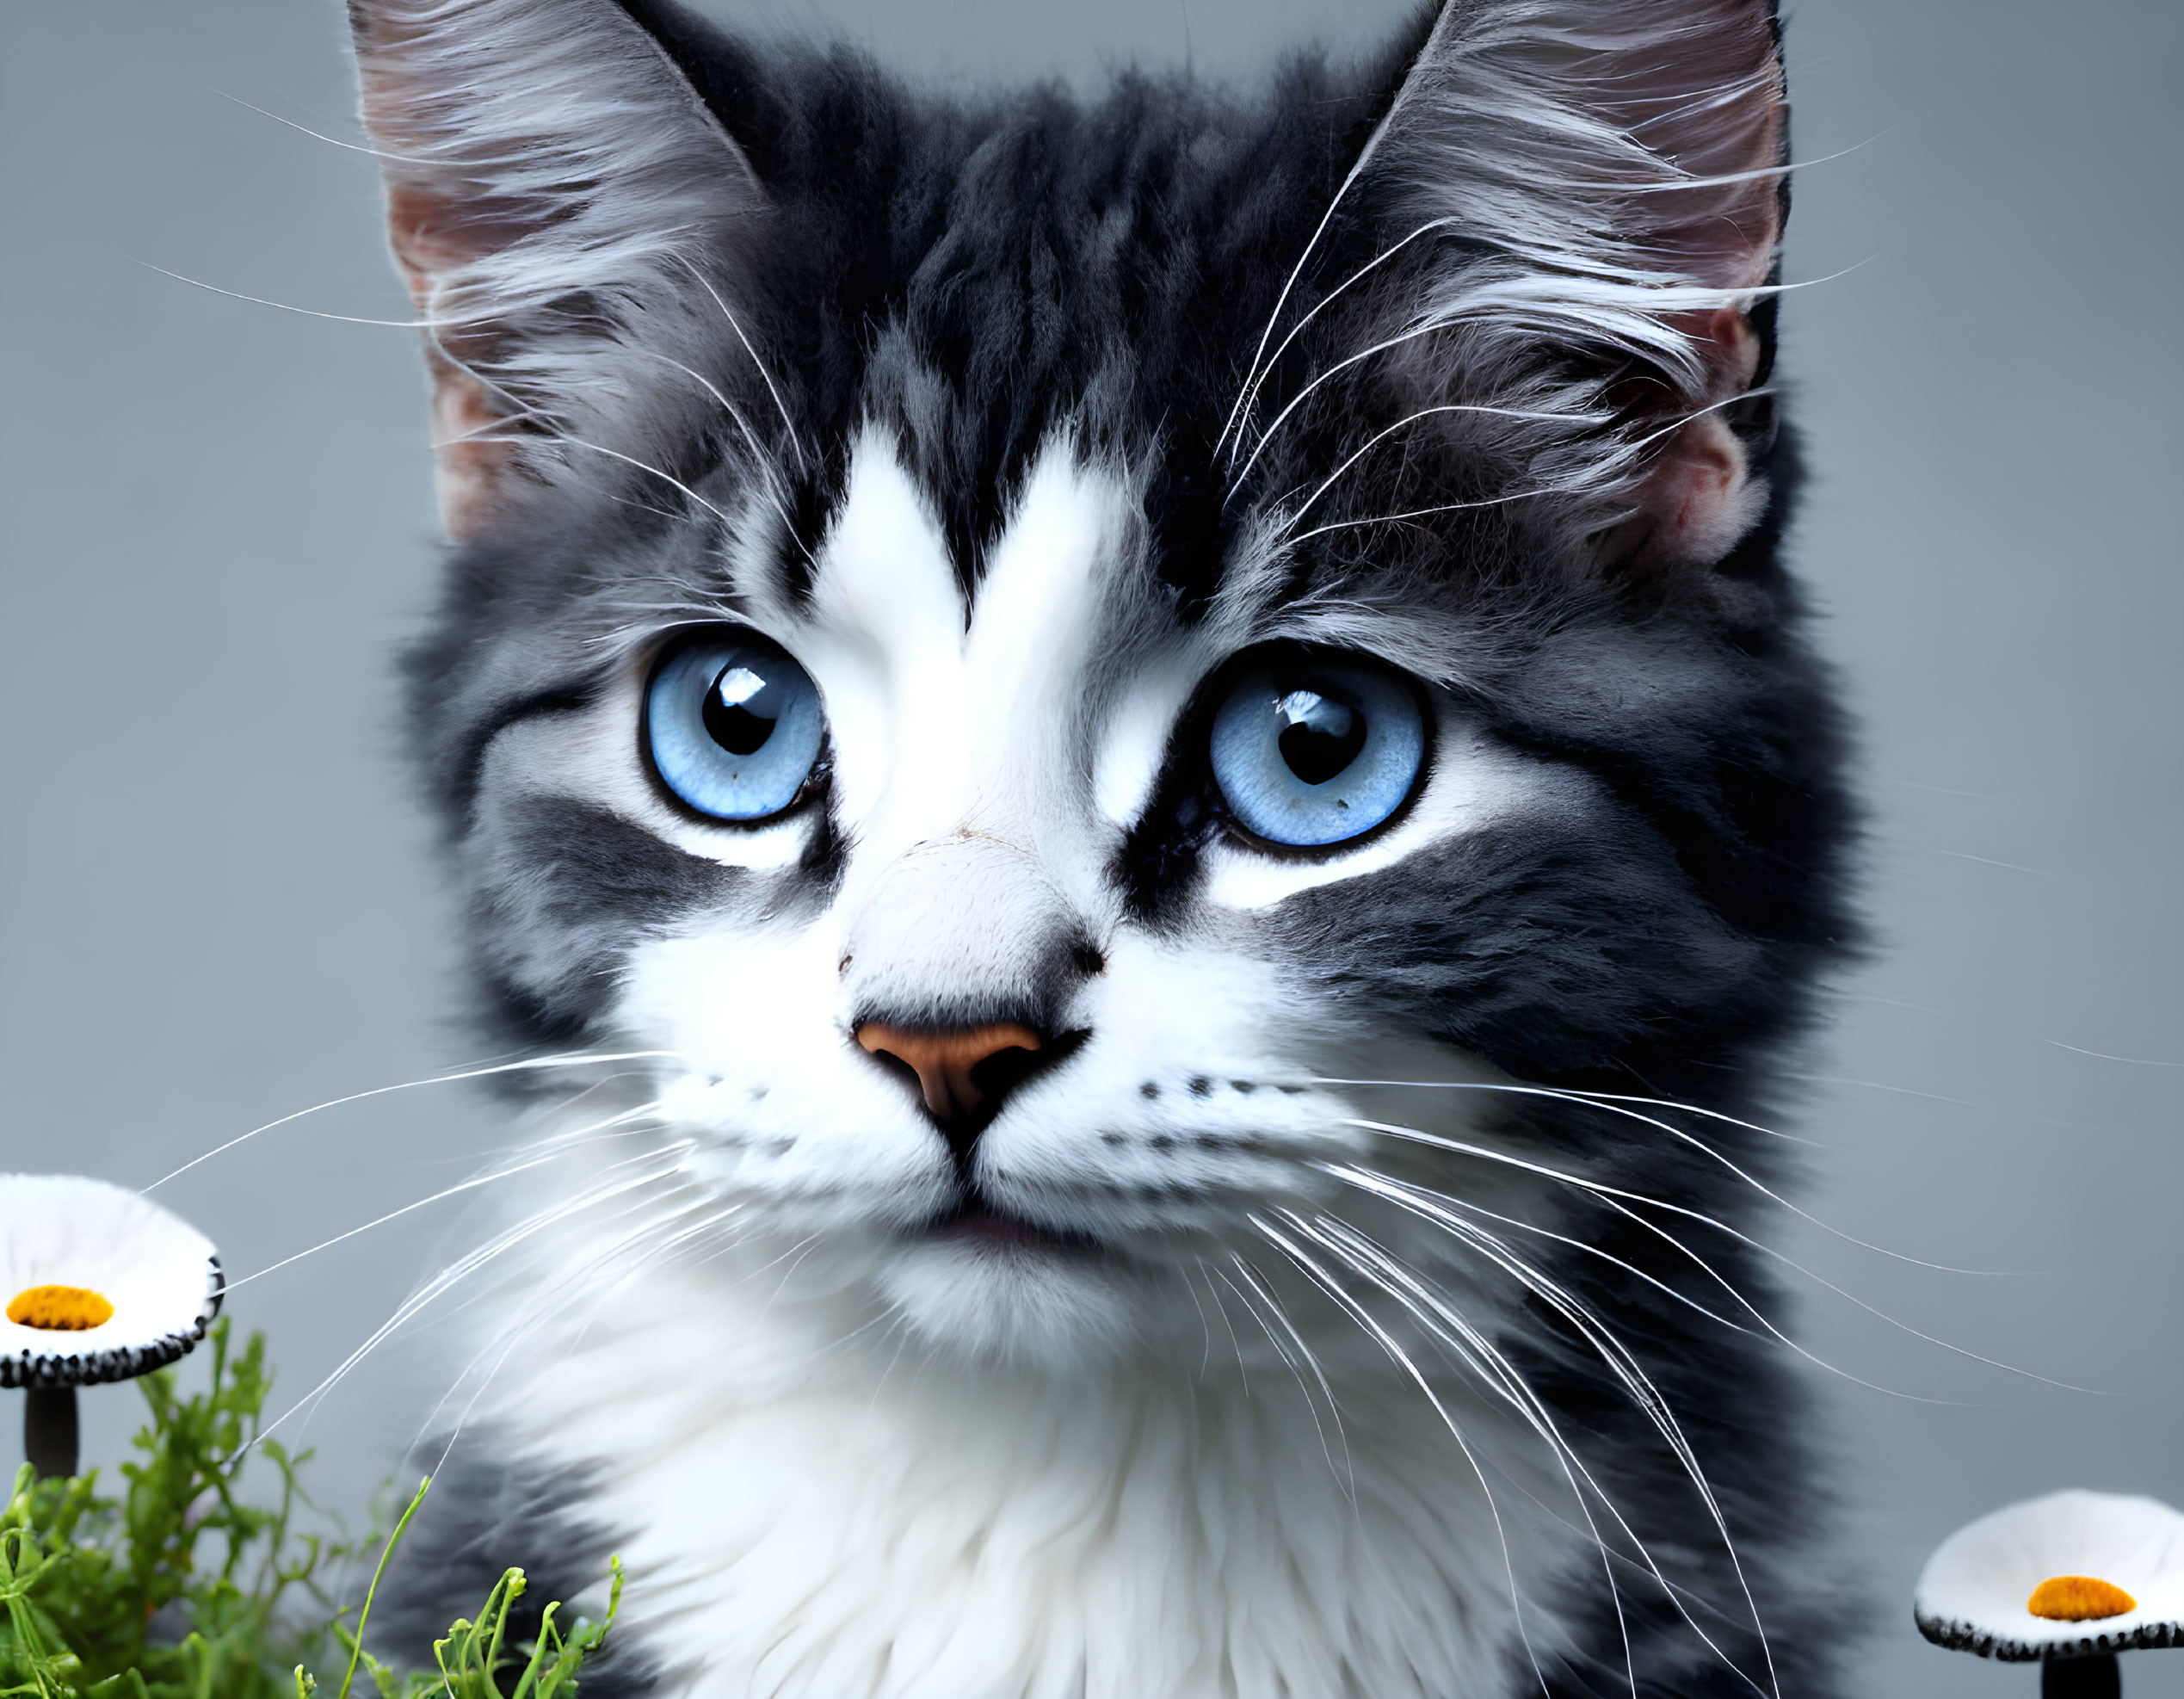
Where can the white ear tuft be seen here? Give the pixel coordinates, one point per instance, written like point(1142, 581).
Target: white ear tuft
point(1619, 164)
point(556, 194)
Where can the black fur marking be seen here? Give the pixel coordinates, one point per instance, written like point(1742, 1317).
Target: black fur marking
point(1031, 253)
point(1162, 851)
point(562, 889)
point(560, 699)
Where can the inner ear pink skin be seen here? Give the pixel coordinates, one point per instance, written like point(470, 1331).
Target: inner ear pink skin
point(471, 464)
point(1698, 498)
point(1698, 501)
point(467, 468)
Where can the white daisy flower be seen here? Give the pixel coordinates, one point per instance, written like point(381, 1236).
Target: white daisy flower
point(2071, 1580)
point(99, 1284)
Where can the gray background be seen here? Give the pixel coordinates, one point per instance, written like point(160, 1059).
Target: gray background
point(216, 906)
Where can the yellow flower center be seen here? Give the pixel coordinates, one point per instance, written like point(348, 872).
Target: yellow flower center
point(2078, 1598)
point(59, 1309)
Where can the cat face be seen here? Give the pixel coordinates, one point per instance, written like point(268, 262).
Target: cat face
point(978, 825)
point(1035, 654)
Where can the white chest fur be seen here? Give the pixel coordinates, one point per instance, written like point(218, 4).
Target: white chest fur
point(804, 1516)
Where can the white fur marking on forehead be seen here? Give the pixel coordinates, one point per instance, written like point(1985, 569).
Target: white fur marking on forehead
point(937, 726)
point(1035, 626)
point(885, 639)
point(884, 575)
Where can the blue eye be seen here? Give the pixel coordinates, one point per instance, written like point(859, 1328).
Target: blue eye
point(733, 724)
point(1312, 753)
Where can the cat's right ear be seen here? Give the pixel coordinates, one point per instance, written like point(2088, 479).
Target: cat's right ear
point(557, 197)
point(1608, 177)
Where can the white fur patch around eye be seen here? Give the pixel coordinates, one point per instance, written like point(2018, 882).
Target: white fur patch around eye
point(1470, 783)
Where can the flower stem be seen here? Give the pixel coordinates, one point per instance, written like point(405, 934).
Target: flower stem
point(2094, 1678)
point(49, 1430)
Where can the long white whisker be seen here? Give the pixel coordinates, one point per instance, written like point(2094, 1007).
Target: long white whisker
point(1388, 1343)
point(1884, 1085)
point(727, 1213)
point(1667, 300)
point(1616, 1206)
point(306, 311)
point(1288, 542)
point(765, 376)
point(1492, 1367)
point(1377, 1264)
point(793, 1256)
point(557, 433)
point(1605, 1192)
point(1654, 1404)
point(534, 1313)
point(667, 1156)
point(668, 1237)
point(2103, 1056)
point(1590, 1096)
point(1380, 436)
point(1698, 1110)
point(449, 1277)
point(613, 1183)
point(1346, 1473)
point(1205, 1322)
point(1282, 300)
point(305, 129)
point(1639, 444)
point(667, 1246)
point(469, 162)
point(565, 1106)
point(1248, 397)
point(1335, 371)
point(763, 462)
point(571, 1060)
point(1244, 1372)
point(1625, 1366)
point(734, 412)
point(564, 1147)
point(667, 477)
point(1613, 1105)
point(634, 1201)
point(1428, 1205)
point(901, 1345)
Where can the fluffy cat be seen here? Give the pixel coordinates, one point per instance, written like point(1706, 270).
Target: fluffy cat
point(1155, 758)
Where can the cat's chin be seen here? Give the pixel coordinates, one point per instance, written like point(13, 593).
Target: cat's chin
point(986, 1288)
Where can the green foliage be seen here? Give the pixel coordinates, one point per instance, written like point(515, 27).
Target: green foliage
point(182, 1588)
point(478, 1660)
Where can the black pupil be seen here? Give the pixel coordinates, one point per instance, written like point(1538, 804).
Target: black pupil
point(742, 706)
point(1321, 736)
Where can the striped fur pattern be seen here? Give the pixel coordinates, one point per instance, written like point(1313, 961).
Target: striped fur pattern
point(1383, 1311)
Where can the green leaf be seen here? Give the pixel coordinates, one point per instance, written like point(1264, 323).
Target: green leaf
point(186, 1587)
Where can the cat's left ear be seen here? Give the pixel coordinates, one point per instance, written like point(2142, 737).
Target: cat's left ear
point(1610, 177)
point(557, 196)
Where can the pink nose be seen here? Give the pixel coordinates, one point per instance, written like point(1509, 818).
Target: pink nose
point(944, 1061)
